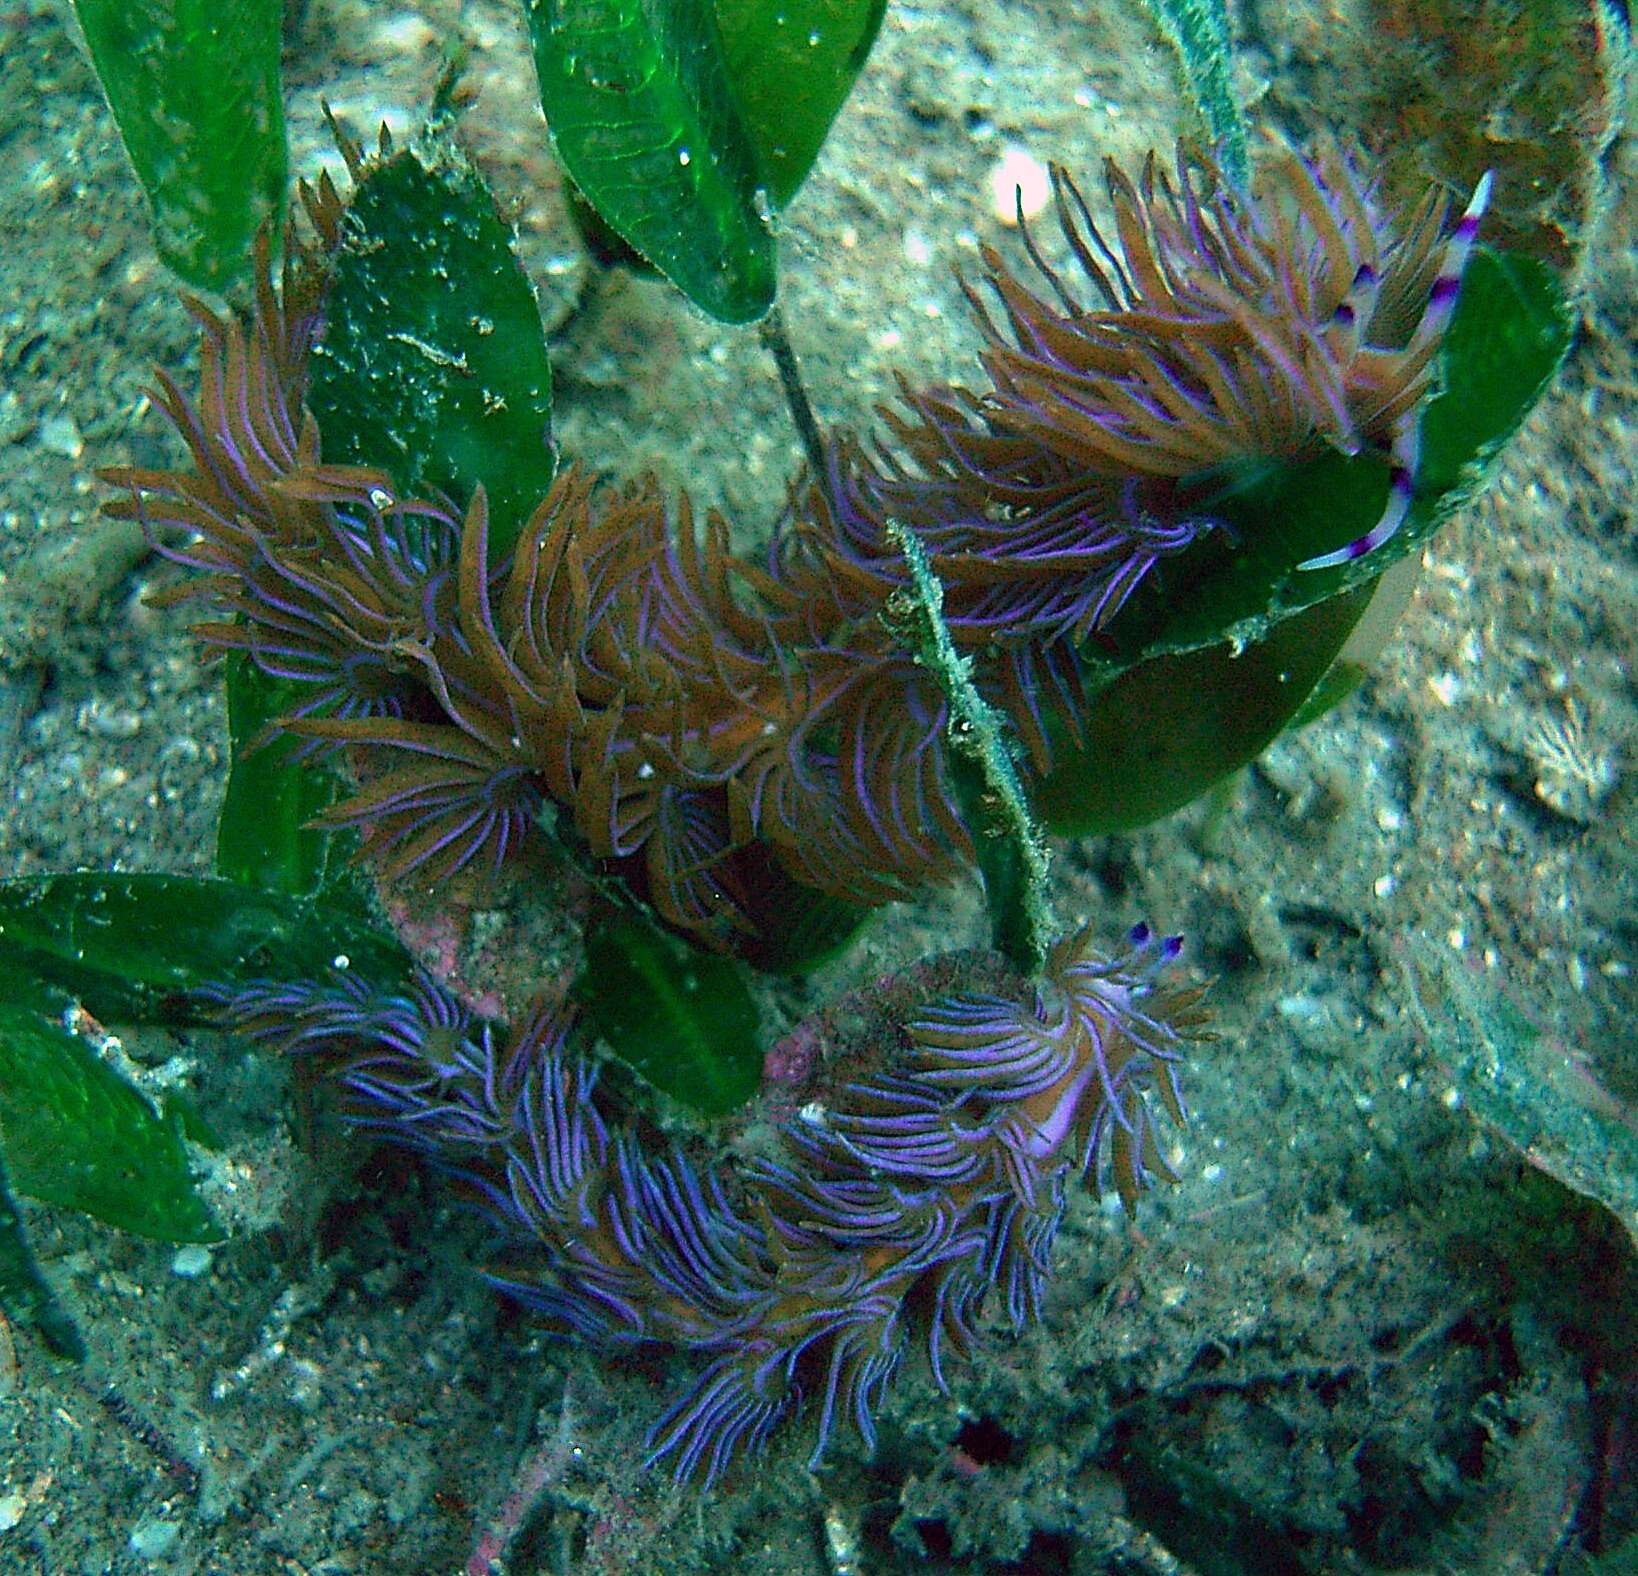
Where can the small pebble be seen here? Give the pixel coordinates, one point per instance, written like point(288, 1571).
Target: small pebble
point(1301, 1008)
point(404, 34)
point(12, 1507)
point(306, 1380)
point(154, 1539)
point(60, 434)
point(15, 424)
point(190, 1262)
point(109, 722)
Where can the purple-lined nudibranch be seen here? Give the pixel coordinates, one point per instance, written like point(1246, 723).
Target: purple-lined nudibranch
point(1221, 326)
point(882, 1222)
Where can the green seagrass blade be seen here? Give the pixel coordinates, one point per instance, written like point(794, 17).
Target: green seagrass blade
point(194, 87)
point(131, 946)
point(684, 124)
point(682, 1018)
point(791, 66)
point(77, 1135)
point(641, 113)
point(128, 949)
point(433, 361)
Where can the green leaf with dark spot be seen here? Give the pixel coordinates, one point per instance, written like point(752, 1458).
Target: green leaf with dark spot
point(194, 87)
point(681, 1017)
point(262, 836)
point(129, 947)
point(607, 249)
point(24, 1293)
point(433, 363)
point(642, 113)
point(77, 1135)
point(792, 66)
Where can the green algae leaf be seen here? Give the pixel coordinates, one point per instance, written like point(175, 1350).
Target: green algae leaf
point(642, 113)
point(792, 66)
point(1012, 855)
point(1511, 330)
point(1158, 735)
point(681, 1017)
point(77, 1135)
point(1532, 1090)
point(129, 947)
point(262, 836)
point(25, 1295)
point(433, 363)
point(1011, 866)
point(194, 87)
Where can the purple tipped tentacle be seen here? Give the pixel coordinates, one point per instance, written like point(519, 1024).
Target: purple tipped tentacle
point(1447, 285)
point(698, 1251)
point(1402, 468)
point(1406, 443)
point(561, 1138)
point(922, 1150)
point(814, 1212)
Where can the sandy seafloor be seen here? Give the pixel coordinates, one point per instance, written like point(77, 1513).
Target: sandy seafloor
point(1362, 1334)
